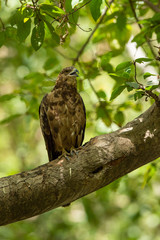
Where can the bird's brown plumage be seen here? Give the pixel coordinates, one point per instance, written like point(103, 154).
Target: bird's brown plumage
point(62, 115)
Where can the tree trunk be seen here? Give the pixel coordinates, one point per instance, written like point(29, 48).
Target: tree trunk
point(101, 161)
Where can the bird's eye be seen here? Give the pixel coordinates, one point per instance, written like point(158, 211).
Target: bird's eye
point(67, 72)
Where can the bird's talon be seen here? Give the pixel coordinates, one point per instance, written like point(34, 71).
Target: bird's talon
point(67, 158)
point(73, 151)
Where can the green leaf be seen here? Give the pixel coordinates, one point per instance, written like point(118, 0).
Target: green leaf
point(157, 31)
point(101, 94)
point(133, 85)
point(37, 37)
point(153, 87)
point(48, 83)
point(106, 66)
point(23, 30)
point(123, 65)
point(51, 10)
point(55, 37)
point(73, 18)
point(111, 54)
point(10, 118)
point(140, 38)
point(121, 21)
point(114, 185)
point(138, 95)
point(151, 170)
point(35, 77)
point(140, 60)
point(50, 63)
point(11, 33)
point(68, 5)
point(126, 73)
point(129, 89)
point(7, 97)
point(119, 118)
point(147, 74)
point(120, 79)
point(2, 38)
point(28, 12)
point(155, 19)
point(16, 18)
point(104, 114)
point(117, 91)
point(95, 9)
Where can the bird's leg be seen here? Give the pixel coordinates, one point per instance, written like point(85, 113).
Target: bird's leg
point(64, 154)
point(73, 151)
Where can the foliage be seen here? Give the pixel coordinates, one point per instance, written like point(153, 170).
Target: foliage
point(102, 39)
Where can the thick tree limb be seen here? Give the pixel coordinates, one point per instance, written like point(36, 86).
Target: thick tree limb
point(100, 162)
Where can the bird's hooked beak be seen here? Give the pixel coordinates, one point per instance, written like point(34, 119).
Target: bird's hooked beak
point(75, 73)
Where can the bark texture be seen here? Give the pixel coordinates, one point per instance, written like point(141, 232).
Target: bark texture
point(101, 161)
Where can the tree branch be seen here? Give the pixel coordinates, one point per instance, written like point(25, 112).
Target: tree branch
point(101, 161)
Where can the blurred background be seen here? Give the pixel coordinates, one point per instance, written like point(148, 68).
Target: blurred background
point(129, 208)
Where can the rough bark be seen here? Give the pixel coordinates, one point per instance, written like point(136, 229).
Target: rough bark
point(101, 161)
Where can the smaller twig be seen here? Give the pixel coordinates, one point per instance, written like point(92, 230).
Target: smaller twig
point(89, 82)
point(75, 10)
point(35, 1)
point(152, 6)
point(29, 6)
point(135, 74)
point(67, 14)
point(154, 96)
point(156, 47)
point(134, 13)
point(63, 55)
point(93, 89)
point(78, 25)
point(3, 27)
point(73, 48)
point(91, 85)
point(6, 2)
point(158, 57)
point(89, 30)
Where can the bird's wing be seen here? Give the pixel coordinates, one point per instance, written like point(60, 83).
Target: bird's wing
point(45, 127)
point(81, 122)
point(84, 123)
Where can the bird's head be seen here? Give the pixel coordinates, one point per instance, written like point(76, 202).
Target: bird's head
point(68, 75)
point(70, 71)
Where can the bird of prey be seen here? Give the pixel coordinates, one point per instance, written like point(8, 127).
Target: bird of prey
point(62, 115)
